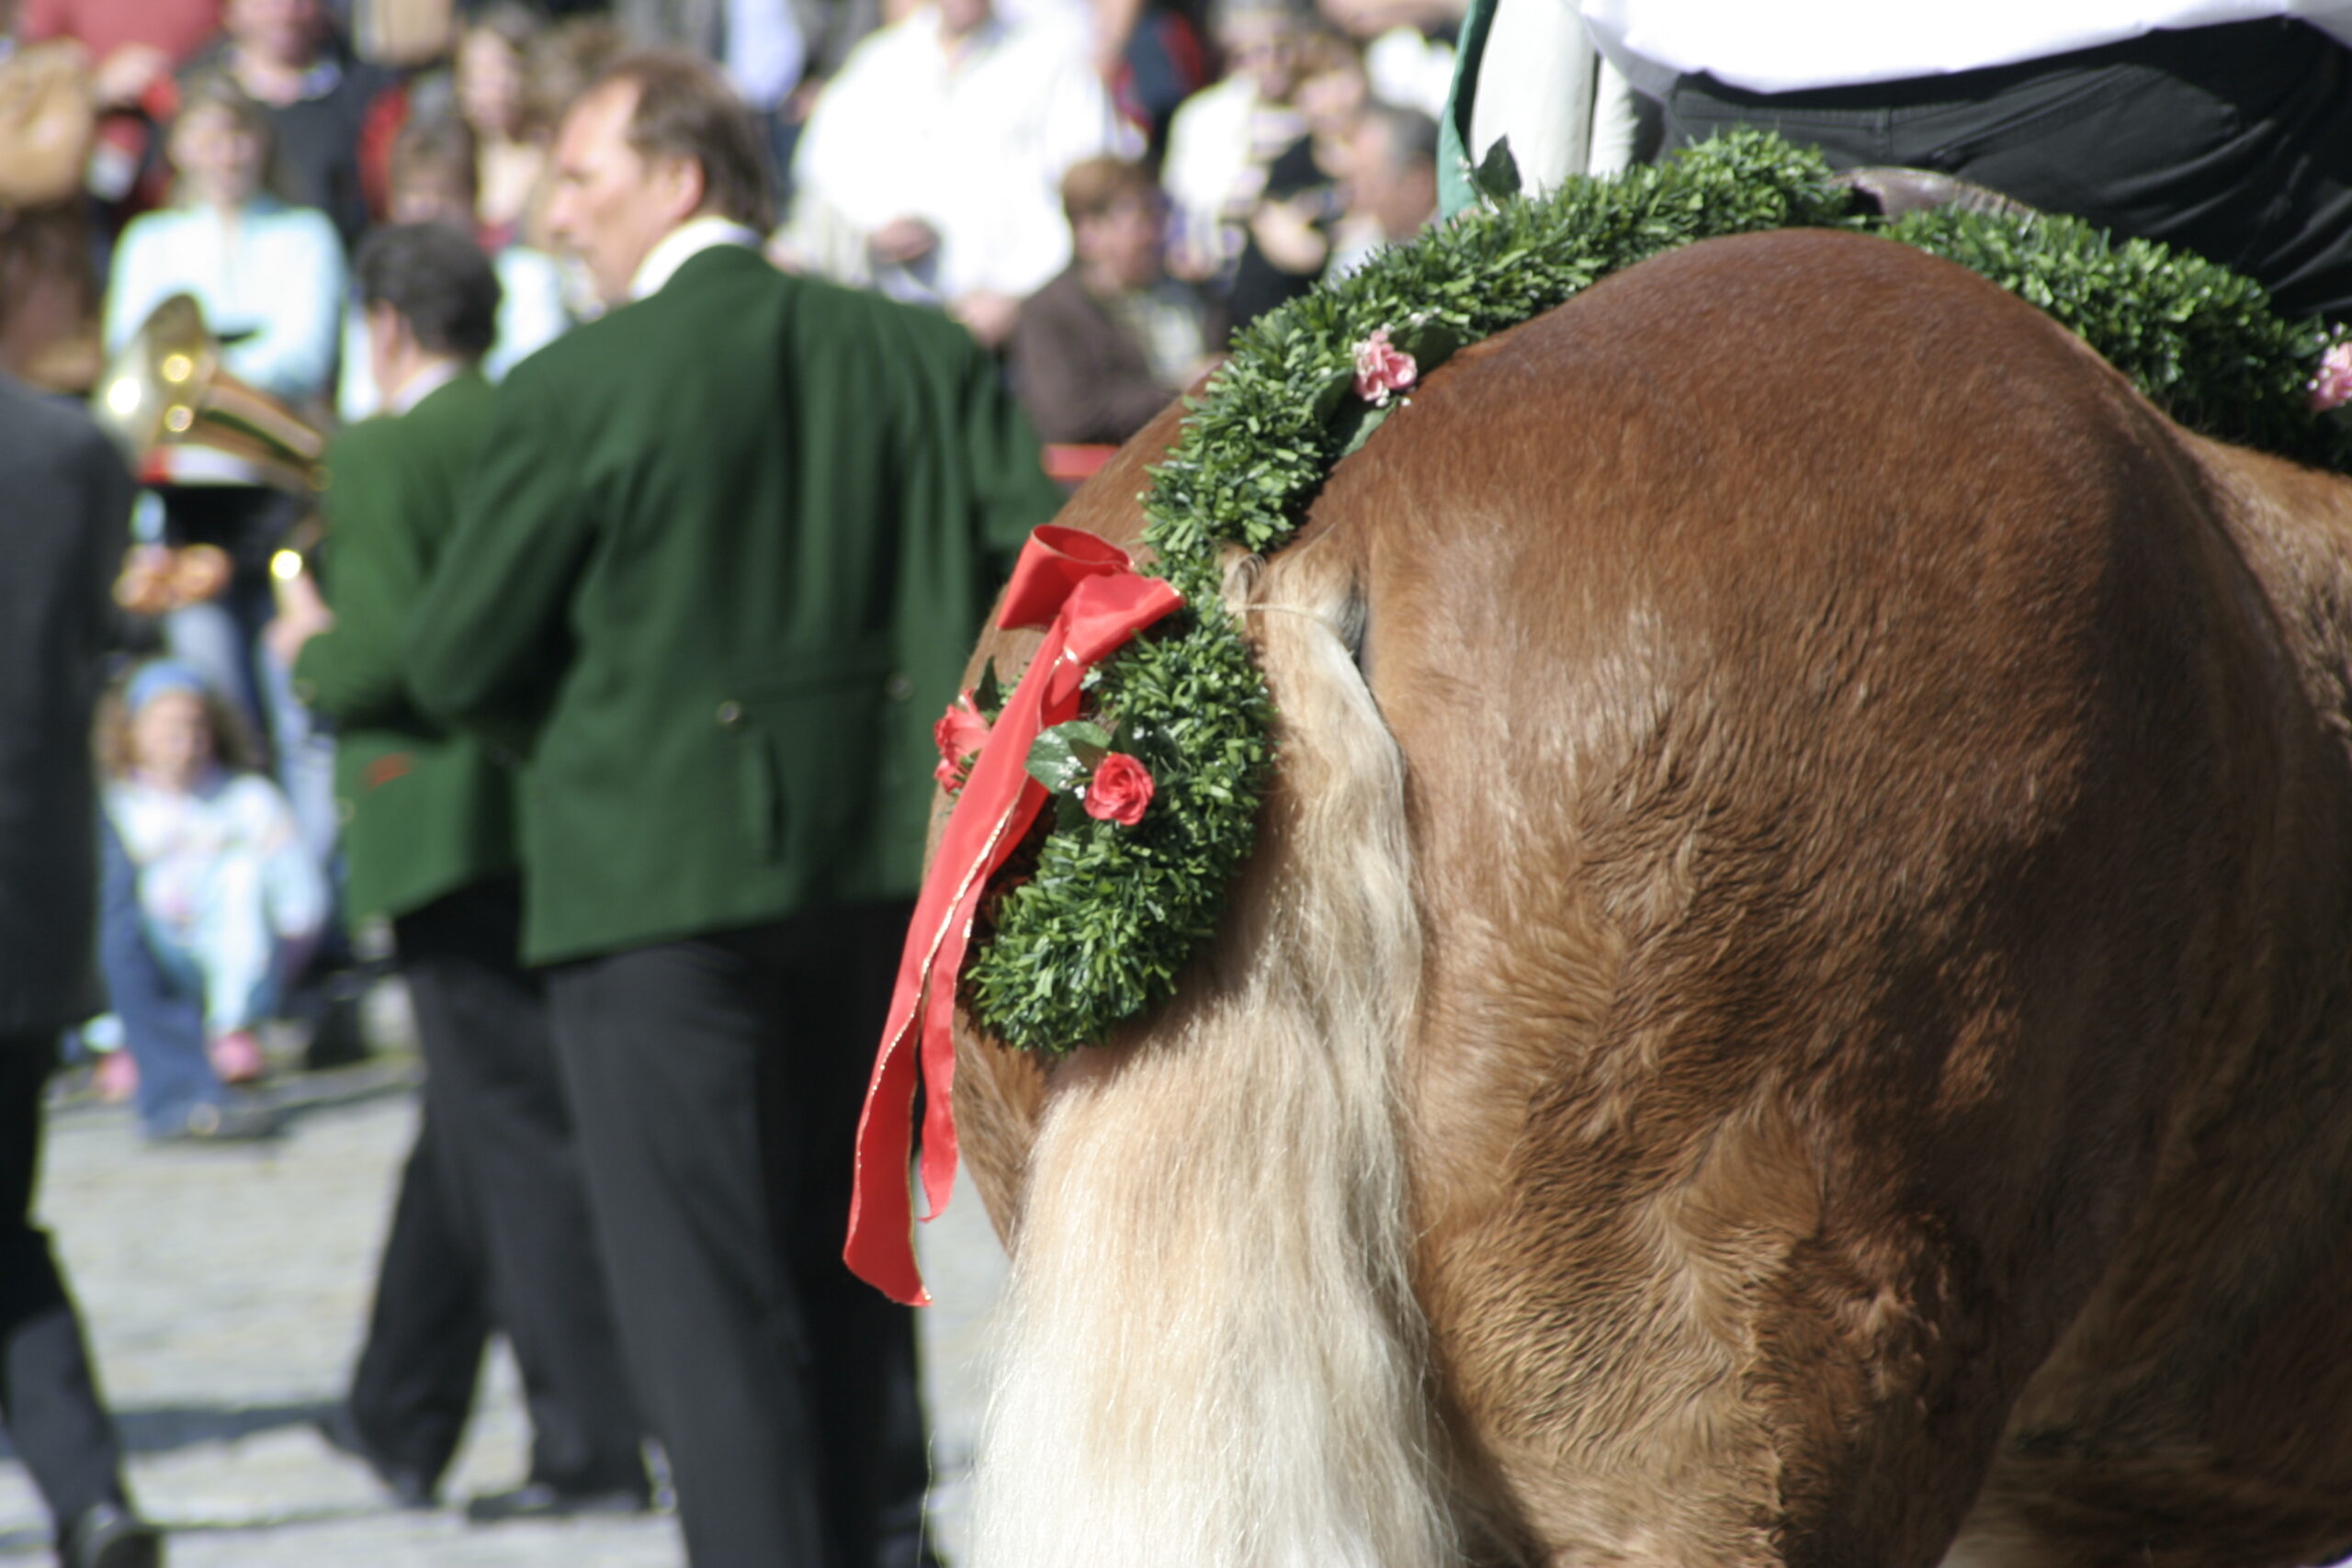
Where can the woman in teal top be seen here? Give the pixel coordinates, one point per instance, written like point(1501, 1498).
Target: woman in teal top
point(269, 276)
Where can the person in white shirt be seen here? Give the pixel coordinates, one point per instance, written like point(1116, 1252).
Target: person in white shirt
point(1224, 140)
point(931, 166)
point(2217, 126)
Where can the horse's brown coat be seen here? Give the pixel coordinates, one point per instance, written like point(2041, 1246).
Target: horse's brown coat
point(1882, 816)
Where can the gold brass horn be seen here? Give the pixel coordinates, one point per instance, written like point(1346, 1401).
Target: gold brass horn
point(166, 388)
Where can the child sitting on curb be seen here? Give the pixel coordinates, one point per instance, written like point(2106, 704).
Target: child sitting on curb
point(227, 902)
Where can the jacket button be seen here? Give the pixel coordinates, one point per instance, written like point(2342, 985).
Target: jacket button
point(730, 713)
point(898, 688)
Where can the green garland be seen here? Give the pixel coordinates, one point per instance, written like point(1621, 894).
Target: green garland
point(1097, 929)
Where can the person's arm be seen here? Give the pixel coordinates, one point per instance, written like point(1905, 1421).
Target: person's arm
point(487, 643)
point(294, 891)
point(372, 562)
point(292, 353)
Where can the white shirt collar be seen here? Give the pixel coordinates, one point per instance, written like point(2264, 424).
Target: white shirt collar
point(423, 384)
point(683, 244)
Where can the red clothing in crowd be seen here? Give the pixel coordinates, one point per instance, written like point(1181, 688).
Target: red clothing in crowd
point(176, 26)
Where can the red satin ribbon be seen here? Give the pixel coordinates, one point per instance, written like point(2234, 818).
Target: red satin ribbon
point(1087, 594)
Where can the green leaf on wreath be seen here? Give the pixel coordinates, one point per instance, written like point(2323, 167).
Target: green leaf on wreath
point(1333, 393)
point(1066, 755)
point(1431, 343)
point(988, 696)
point(1372, 418)
point(1497, 175)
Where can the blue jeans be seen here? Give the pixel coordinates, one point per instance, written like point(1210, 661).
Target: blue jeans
point(163, 1019)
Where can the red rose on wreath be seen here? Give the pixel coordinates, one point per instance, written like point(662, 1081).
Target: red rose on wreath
point(959, 734)
point(1120, 790)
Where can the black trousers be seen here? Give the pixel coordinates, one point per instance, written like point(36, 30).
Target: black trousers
point(490, 1227)
point(49, 1396)
point(716, 1082)
point(2233, 142)
point(413, 1388)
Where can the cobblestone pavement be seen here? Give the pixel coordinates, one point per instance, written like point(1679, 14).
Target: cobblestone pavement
point(225, 1290)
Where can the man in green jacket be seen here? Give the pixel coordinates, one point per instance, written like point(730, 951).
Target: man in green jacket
point(493, 1212)
point(716, 575)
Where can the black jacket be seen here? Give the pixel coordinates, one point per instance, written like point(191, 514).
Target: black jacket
point(64, 519)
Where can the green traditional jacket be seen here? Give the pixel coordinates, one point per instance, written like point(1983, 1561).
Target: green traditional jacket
point(425, 810)
point(715, 578)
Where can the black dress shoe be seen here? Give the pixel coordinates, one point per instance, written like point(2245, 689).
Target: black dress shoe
point(410, 1487)
point(111, 1536)
point(544, 1500)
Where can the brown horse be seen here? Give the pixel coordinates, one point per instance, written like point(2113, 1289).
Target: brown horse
point(1794, 1000)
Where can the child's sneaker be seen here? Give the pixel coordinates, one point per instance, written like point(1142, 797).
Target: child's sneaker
point(116, 1078)
point(236, 1057)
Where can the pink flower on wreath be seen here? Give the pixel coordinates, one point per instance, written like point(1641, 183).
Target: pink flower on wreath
point(1381, 368)
point(1120, 790)
point(959, 734)
point(2332, 385)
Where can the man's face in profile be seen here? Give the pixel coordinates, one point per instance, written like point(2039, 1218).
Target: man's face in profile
point(611, 204)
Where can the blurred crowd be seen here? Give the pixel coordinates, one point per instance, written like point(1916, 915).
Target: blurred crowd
point(240, 150)
point(1099, 191)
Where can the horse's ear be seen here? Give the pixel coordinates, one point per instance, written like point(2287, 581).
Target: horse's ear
point(1495, 178)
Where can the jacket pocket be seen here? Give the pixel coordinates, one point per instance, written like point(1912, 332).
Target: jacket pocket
point(808, 728)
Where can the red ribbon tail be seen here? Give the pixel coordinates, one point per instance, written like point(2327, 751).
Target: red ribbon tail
point(881, 1245)
point(939, 1148)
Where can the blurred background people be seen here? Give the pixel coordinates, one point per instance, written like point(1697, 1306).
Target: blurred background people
point(1103, 347)
point(1225, 137)
point(1408, 46)
point(494, 98)
point(64, 510)
point(1288, 231)
point(226, 897)
point(1391, 183)
point(762, 46)
point(492, 1226)
point(932, 164)
point(321, 99)
point(269, 278)
point(134, 48)
point(433, 173)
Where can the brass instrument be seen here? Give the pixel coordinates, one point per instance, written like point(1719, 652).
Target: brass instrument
point(166, 388)
point(167, 391)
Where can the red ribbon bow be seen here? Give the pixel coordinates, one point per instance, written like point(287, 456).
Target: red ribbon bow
point(1087, 594)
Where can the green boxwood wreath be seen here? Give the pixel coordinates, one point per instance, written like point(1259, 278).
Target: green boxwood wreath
point(1095, 926)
